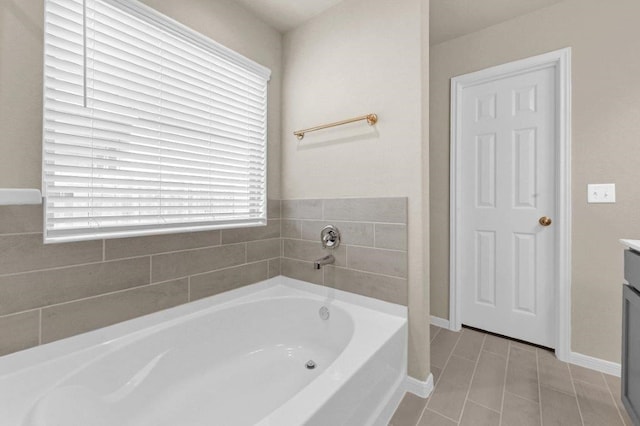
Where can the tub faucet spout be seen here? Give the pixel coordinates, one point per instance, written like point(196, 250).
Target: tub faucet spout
point(328, 259)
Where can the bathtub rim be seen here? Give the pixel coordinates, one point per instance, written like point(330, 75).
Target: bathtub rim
point(122, 333)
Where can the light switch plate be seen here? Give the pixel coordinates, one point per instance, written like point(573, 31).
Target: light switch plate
point(601, 193)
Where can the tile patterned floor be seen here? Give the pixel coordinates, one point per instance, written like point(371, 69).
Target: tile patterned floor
point(481, 379)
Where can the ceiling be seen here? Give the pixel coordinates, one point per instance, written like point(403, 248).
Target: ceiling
point(454, 18)
point(449, 18)
point(285, 15)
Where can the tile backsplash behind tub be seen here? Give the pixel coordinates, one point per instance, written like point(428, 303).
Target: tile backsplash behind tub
point(49, 292)
point(372, 257)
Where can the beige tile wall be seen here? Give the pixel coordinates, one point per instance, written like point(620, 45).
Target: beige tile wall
point(372, 259)
point(49, 292)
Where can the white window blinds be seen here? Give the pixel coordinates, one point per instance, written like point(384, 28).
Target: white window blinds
point(149, 127)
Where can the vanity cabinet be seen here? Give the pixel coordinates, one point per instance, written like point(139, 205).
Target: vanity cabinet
point(631, 336)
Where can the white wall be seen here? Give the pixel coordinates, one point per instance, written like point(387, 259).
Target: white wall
point(363, 57)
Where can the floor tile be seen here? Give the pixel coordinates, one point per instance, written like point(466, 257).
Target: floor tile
point(409, 411)
point(483, 379)
point(448, 398)
point(469, 344)
point(588, 376)
point(496, 345)
point(476, 415)
point(597, 405)
point(614, 384)
point(522, 374)
point(442, 346)
point(615, 388)
point(518, 411)
point(437, 372)
point(433, 330)
point(522, 345)
point(431, 418)
point(554, 373)
point(458, 371)
point(558, 408)
point(488, 381)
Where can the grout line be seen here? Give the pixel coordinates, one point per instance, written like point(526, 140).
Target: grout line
point(240, 265)
point(71, 265)
point(13, 234)
point(444, 367)
point(436, 333)
point(75, 265)
point(347, 263)
point(615, 403)
point(372, 247)
point(375, 231)
point(473, 375)
point(589, 383)
point(37, 308)
point(539, 385)
point(350, 269)
point(484, 406)
point(576, 394)
point(504, 381)
point(40, 326)
point(95, 296)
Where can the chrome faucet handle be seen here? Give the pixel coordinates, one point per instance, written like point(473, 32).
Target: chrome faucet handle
point(330, 237)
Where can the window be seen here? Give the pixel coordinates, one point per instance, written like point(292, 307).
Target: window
point(149, 127)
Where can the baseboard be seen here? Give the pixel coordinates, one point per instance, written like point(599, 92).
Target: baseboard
point(440, 322)
point(607, 367)
point(418, 387)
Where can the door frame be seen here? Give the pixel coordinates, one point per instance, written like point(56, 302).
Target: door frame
point(560, 60)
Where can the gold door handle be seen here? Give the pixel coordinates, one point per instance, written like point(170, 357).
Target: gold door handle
point(545, 221)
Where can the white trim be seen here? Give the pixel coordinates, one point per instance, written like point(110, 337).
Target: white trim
point(586, 361)
point(19, 196)
point(440, 322)
point(172, 26)
point(561, 61)
point(418, 387)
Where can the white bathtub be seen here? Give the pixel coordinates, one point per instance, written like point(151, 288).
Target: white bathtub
point(237, 358)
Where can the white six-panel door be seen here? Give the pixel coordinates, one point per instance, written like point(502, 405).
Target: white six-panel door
point(507, 179)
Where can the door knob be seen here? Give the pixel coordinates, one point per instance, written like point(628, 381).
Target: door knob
point(545, 221)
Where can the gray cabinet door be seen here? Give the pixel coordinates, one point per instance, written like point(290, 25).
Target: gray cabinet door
point(631, 352)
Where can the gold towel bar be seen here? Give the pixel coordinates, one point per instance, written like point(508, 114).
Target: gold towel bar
point(371, 120)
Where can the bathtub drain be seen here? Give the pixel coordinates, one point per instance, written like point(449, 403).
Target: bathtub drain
point(310, 365)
